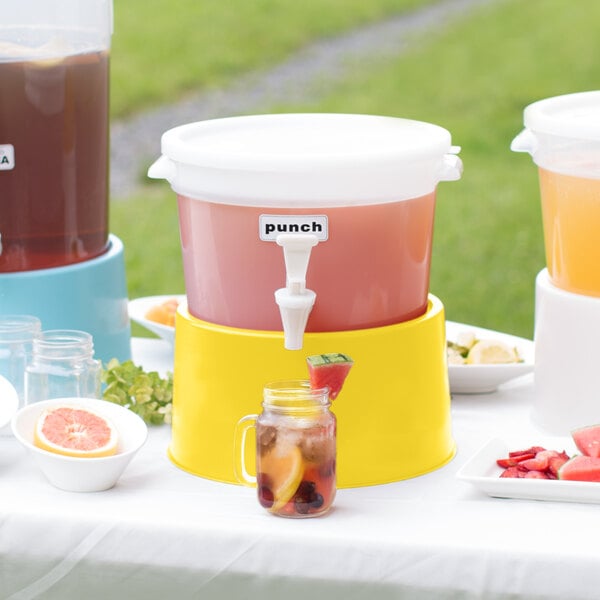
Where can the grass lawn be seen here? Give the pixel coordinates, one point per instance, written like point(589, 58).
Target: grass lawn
point(474, 78)
point(162, 49)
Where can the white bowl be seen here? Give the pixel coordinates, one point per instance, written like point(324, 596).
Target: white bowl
point(76, 474)
point(139, 307)
point(9, 401)
point(483, 379)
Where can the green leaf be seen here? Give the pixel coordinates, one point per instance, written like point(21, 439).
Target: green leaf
point(144, 392)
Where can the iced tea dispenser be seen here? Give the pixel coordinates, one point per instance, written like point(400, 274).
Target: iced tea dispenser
point(54, 171)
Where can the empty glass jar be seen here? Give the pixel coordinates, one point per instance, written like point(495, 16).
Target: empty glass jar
point(17, 333)
point(62, 366)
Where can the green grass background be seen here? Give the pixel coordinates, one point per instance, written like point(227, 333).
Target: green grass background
point(473, 77)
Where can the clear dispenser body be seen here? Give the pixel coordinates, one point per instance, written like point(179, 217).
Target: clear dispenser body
point(54, 132)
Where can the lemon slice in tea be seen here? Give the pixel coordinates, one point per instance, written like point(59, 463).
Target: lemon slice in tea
point(285, 470)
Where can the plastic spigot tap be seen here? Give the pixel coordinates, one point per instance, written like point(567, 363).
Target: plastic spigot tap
point(295, 301)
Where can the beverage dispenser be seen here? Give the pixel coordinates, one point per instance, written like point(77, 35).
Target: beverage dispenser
point(562, 134)
point(58, 260)
point(306, 234)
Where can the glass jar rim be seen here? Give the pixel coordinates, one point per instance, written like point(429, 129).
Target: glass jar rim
point(19, 328)
point(295, 394)
point(63, 343)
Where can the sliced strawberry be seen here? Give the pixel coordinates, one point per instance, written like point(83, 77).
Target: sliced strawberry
point(541, 460)
point(534, 462)
point(531, 450)
point(511, 472)
point(556, 462)
point(512, 461)
point(534, 474)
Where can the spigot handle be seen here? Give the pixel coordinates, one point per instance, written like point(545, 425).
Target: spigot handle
point(296, 252)
point(294, 300)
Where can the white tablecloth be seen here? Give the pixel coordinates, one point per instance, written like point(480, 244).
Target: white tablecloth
point(163, 533)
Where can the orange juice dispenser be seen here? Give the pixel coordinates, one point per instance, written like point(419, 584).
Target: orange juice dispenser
point(562, 134)
point(58, 260)
point(305, 234)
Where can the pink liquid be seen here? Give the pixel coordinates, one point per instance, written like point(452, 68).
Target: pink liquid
point(373, 270)
point(54, 202)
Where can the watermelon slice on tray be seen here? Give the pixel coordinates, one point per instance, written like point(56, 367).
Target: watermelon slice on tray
point(581, 468)
point(587, 440)
point(329, 370)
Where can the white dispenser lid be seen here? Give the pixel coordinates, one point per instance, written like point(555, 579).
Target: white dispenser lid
point(562, 134)
point(575, 116)
point(307, 159)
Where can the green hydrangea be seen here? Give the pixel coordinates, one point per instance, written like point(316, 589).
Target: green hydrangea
point(146, 393)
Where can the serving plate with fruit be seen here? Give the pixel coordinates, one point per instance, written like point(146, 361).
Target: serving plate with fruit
point(560, 469)
point(480, 360)
point(156, 314)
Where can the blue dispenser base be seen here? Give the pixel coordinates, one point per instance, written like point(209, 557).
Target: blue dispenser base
point(90, 296)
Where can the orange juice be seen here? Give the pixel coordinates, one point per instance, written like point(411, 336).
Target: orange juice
point(571, 219)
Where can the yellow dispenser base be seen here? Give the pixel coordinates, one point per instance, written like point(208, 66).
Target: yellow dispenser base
point(393, 413)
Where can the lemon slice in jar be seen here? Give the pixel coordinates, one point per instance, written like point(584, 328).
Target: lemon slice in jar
point(285, 470)
point(492, 352)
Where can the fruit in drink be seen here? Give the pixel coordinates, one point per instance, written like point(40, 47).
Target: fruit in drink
point(296, 467)
point(283, 468)
point(74, 431)
point(329, 370)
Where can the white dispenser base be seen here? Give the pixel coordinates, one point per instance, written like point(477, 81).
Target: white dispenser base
point(567, 358)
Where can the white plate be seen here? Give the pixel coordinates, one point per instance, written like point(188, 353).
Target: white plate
point(140, 306)
point(483, 472)
point(9, 401)
point(479, 379)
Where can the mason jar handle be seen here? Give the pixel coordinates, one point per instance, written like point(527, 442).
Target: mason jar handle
point(239, 449)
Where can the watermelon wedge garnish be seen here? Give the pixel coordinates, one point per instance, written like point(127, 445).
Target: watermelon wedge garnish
point(329, 370)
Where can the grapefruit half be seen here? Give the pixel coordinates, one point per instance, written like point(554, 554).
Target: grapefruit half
point(74, 431)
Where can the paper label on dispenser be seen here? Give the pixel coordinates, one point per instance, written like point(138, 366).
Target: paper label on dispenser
point(7, 157)
point(270, 226)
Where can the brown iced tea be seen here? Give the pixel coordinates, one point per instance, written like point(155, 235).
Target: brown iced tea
point(53, 160)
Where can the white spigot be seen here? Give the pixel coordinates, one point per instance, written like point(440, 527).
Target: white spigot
point(295, 301)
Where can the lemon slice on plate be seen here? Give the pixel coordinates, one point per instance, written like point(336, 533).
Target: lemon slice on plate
point(492, 352)
point(285, 470)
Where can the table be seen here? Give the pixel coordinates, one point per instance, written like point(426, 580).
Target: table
point(163, 533)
